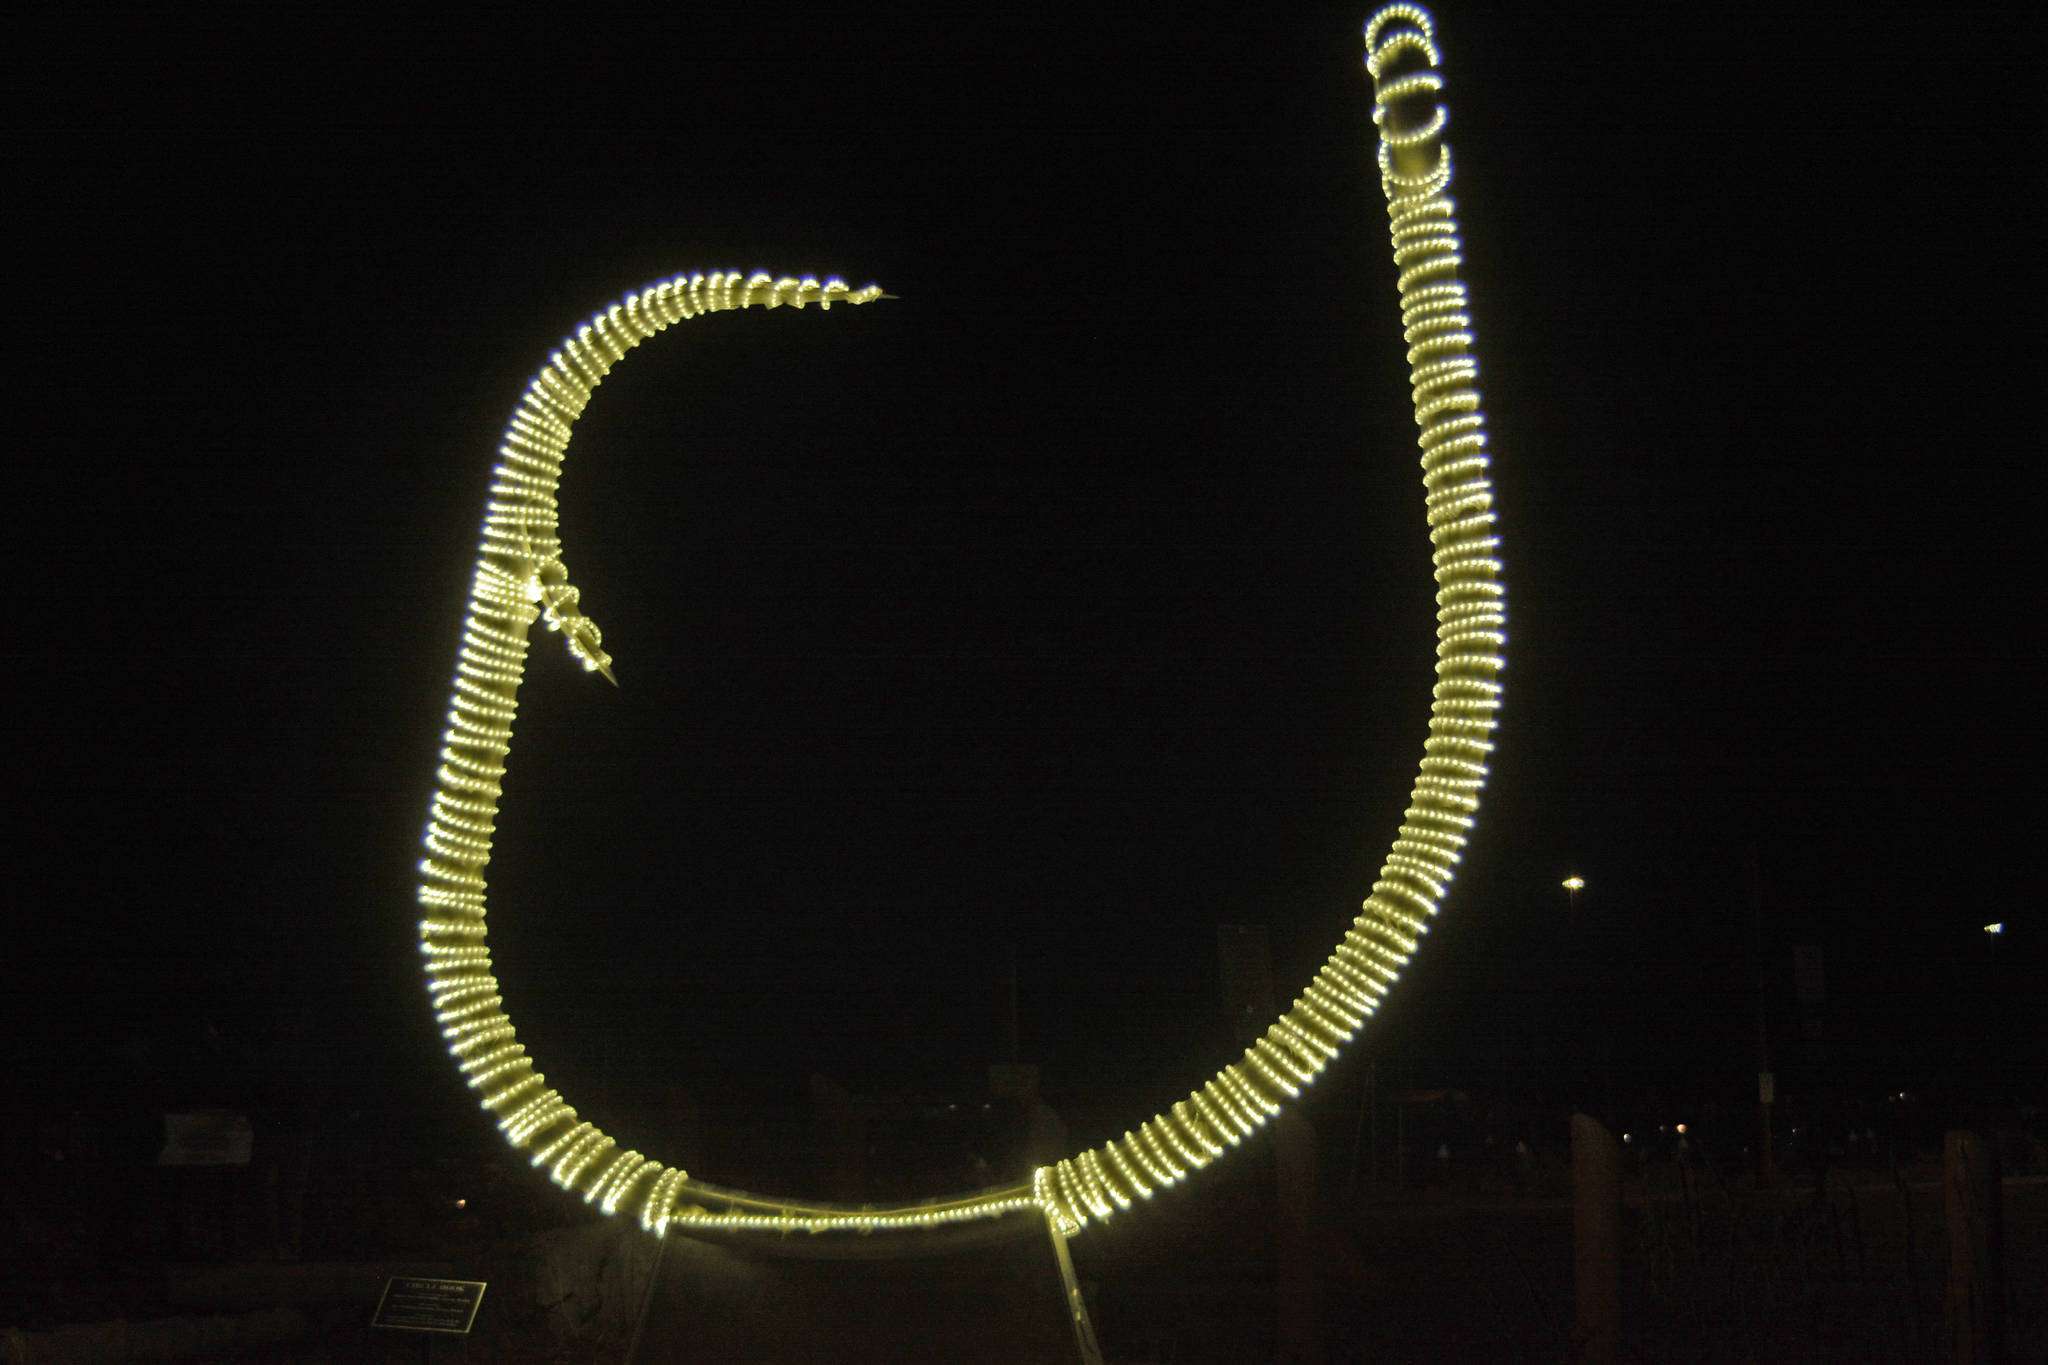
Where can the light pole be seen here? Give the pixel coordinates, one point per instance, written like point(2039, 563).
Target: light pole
point(1580, 1025)
point(1766, 1083)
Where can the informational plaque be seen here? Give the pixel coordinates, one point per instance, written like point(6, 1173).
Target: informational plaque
point(414, 1303)
point(211, 1138)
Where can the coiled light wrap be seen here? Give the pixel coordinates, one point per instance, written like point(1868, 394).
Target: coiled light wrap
point(1415, 172)
point(520, 577)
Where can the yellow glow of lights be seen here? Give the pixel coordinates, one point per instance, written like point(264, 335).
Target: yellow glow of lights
point(1575, 883)
point(520, 578)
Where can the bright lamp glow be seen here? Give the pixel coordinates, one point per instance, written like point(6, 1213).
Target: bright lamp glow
point(520, 578)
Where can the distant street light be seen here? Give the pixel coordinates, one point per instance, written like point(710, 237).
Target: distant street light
point(1992, 931)
point(1572, 887)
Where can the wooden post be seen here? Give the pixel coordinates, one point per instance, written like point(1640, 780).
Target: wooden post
point(1294, 1204)
point(1974, 1200)
point(1596, 1240)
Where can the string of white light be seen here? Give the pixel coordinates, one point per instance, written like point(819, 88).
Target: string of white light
point(1415, 172)
point(520, 577)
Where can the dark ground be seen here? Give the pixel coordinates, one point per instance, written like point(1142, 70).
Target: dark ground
point(1476, 1267)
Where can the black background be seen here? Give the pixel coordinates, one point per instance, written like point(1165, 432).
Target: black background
point(1078, 598)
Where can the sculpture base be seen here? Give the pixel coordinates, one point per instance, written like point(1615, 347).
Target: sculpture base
point(997, 1299)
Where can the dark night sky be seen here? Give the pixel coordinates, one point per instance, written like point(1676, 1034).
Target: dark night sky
point(1079, 598)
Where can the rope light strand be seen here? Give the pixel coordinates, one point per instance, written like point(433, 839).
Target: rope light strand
point(1415, 173)
point(521, 579)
